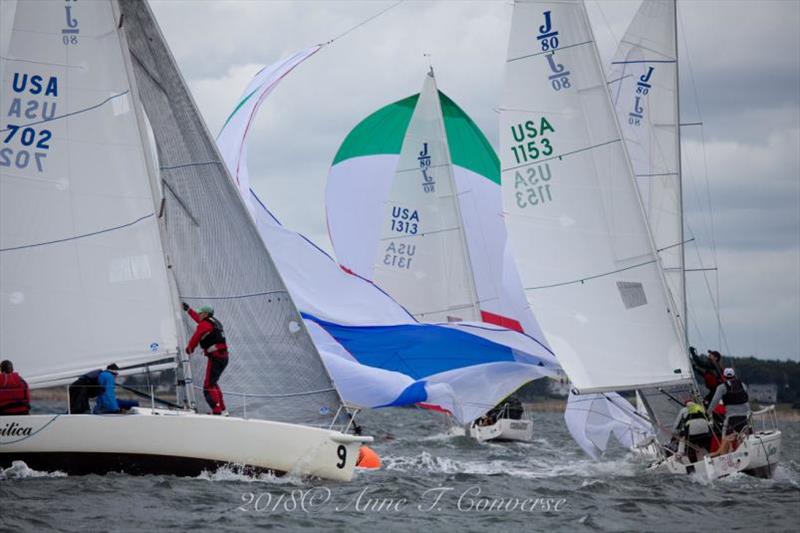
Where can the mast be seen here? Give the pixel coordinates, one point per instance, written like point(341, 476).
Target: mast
point(182, 361)
point(473, 293)
point(685, 310)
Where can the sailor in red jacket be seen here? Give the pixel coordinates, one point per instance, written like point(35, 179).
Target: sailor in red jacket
point(211, 338)
point(15, 397)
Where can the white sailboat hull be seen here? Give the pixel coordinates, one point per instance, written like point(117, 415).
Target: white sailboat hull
point(757, 455)
point(505, 429)
point(174, 442)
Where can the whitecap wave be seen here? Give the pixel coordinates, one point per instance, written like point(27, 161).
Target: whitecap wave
point(528, 468)
point(19, 470)
point(240, 474)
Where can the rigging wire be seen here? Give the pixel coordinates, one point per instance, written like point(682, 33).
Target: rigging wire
point(722, 339)
point(363, 22)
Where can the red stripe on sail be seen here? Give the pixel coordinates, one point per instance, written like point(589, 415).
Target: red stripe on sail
point(433, 407)
point(502, 321)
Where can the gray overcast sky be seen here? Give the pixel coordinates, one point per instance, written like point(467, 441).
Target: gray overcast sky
point(740, 75)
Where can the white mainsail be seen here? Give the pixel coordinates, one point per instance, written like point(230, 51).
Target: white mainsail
point(576, 223)
point(643, 82)
point(101, 126)
point(422, 254)
point(83, 281)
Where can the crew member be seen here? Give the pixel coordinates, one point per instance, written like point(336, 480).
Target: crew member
point(107, 401)
point(695, 428)
point(733, 394)
point(97, 384)
point(710, 368)
point(15, 397)
point(211, 338)
point(85, 387)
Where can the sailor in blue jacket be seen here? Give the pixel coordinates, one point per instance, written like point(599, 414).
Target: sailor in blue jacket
point(107, 401)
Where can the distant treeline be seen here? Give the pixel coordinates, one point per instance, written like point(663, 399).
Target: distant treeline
point(784, 374)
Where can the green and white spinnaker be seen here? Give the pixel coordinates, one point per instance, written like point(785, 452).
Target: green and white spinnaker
point(414, 205)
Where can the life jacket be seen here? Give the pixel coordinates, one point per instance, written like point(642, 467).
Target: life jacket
point(214, 338)
point(711, 379)
point(91, 382)
point(696, 424)
point(14, 395)
point(734, 393)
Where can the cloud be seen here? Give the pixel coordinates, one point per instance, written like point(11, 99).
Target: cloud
point(745, 69)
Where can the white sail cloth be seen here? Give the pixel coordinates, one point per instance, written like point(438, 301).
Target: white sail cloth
point(422, 258)
point(233, 150)
point(593, 419)
point(643, 82)
point(575, 220)
point(366, 174)
point(83, 281)
point(377, 354)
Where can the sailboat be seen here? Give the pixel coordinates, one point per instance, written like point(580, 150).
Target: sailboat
point(592, 270)
point(115, 208)
point(413, 204)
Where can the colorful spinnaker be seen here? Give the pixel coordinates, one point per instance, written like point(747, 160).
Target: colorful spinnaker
point(378, 354)
point(414, 204)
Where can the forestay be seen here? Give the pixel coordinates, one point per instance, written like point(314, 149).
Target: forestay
point(575, 220)
point(644, 89)
point(216, 253)
point(83, 281)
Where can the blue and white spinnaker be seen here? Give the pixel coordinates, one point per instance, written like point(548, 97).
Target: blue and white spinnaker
point(376, 352)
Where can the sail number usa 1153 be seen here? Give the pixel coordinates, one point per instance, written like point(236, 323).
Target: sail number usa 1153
point(529, 141)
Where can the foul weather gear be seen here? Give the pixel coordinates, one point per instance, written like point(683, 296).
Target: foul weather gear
point(15, 396)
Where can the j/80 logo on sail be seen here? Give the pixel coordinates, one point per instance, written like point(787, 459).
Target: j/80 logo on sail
point(424, 159)
point(548, 41)
point(69, 35)
point(529, 149)
point(643, 87)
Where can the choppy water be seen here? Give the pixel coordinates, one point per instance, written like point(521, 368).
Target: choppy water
point(430, 482)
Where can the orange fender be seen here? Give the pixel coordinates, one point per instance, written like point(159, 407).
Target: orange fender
point(367, 458)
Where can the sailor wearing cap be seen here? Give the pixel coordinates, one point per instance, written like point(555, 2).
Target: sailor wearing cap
point(733, 395)
point(210, 336)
